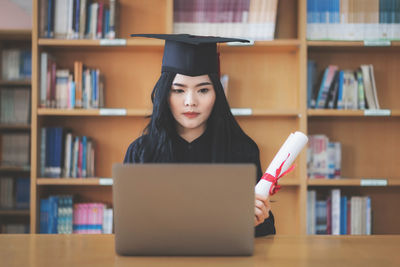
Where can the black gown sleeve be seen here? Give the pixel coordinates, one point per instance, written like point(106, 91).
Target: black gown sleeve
point(268, 226)
point(131, 155)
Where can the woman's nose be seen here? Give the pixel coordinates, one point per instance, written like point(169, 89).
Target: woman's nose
point(190, 99)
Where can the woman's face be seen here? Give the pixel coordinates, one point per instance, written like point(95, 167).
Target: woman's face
point(191, 101)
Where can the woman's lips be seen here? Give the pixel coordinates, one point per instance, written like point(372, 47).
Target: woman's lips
point(191, 115)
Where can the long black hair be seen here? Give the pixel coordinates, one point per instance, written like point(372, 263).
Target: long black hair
point(155, 145)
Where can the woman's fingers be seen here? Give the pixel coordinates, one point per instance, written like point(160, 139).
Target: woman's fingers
point(262, 208)
point(259, 216)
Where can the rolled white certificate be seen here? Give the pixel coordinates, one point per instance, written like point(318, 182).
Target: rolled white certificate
point(286, 155)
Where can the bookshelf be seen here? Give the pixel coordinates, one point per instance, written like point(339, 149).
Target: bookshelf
point(370, 165)
point(271, 80)
point(14, 39)
point(275, 112)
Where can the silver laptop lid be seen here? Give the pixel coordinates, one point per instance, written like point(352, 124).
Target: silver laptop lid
point(184, 209)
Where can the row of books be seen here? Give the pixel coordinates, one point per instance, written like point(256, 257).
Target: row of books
point(252, 19)
point(15, 106)
point(323, 157)
point(353, 20)
point(16, 64)
point(15, 149)
point(77, 19)
point(64, 155)
point(61, 88)
point(92, 218)
point(14, 192)
point(338, 215)
point(14, 228)
point(342, 89)
point(59, 215)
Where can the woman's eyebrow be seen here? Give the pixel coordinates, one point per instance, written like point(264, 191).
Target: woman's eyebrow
point(179, 84)
point(202, 84)
point(198, 85)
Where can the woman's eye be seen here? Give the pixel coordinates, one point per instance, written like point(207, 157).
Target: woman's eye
point(178, 91)
point(204, 90)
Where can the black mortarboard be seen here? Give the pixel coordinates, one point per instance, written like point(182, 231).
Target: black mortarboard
point(190, 54)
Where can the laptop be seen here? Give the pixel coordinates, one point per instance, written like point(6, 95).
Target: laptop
point(184, 209)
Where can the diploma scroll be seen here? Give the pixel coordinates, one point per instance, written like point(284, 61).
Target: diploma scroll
point(281, 164)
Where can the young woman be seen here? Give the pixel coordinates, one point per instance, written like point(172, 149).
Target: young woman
point(191, 119)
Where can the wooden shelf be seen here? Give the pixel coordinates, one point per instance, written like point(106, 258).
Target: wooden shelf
point(15, 83)
point(146, 112)
point(68, 112)
point(352, 182)
point(98, 43)
point(19, 127)
point(280, 113)
point(14, 212)
point(395, 113)
point(15, 34)
point(335, 112)
point(92, 112)
point(335, 43)
point(278, 45)
point(279, 42)
point(345, 113)
point(345, 44)
point(108, 181)
point(74, 181)
point(14, 169)
point(293, 43)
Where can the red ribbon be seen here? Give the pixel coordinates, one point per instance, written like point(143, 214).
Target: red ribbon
point(274, 179)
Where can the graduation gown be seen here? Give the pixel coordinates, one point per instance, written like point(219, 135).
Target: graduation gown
point(199, 151)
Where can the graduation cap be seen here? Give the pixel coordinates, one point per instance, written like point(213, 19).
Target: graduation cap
point(190, 55)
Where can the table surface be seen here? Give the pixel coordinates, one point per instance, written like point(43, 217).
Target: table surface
point(98, 250)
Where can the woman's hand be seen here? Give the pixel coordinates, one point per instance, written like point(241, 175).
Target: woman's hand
point(262, 209)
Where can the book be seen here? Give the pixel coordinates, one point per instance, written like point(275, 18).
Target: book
point(321, 217)
point(311, 203)
point(68, 155)
point(361, 91)
point(111, 33)
point(340, 101)
point(374, 89)
point(333, 92)
point(324, 157)
point(323, 91)
point(22, 192)
point(6, 196)
point(343, 215)
point(82, 19)
point(335, 197)
point(62, 87)
point(311, 80)
point(369, 87)
point(44, 216)
point(350, 90)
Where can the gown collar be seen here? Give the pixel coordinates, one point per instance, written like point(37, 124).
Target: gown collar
point(204, 136)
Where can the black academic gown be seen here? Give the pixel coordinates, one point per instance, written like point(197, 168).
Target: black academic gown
point(199, 151)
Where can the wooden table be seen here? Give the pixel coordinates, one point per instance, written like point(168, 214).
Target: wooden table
point(98, 250)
